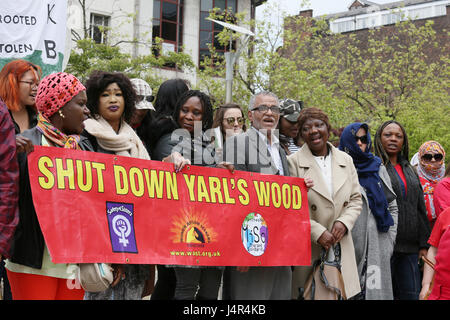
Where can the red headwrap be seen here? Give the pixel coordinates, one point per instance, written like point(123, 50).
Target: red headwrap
point(55, 90)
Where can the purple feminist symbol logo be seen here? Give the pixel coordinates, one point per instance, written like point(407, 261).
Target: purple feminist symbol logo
point(121, 226)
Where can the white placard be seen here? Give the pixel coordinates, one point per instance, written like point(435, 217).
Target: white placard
point(34, 30)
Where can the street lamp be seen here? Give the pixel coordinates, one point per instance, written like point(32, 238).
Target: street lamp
point(231, 57)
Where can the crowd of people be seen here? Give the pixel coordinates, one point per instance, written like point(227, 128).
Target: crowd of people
point(386, 212)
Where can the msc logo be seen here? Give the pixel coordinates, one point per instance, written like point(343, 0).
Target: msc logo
point(254, 234)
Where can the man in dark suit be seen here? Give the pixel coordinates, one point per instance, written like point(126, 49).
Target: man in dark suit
point(258, 150)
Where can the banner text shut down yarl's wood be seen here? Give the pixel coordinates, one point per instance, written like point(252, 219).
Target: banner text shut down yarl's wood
point(95, 207)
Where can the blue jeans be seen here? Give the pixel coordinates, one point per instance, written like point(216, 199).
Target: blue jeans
point(406, 278)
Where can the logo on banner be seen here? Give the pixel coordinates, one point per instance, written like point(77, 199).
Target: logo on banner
point(192, 228)
point(121, 226)
point(254, 234)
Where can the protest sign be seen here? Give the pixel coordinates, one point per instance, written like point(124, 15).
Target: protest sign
point(95, 207)
point(34, 31)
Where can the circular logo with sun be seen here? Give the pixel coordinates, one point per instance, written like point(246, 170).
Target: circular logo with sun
point(254, 234)
point(192, 228)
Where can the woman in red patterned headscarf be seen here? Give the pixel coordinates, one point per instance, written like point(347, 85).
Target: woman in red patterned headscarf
point(431, 170)
point(61, 102)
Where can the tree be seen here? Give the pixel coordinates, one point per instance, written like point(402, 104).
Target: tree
point(399, 73)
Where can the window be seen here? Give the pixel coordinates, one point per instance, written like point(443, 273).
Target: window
point(168, 24)
point(344, 26)
point(362, 23)
point(440, 10)
point(98, 27)
point(209, 29)
point(391, 18)
point(421, 13)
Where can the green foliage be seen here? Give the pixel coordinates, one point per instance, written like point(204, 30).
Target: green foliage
point(88, 56)
point(401, 75)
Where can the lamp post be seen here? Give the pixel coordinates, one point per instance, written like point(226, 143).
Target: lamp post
point(232, 57)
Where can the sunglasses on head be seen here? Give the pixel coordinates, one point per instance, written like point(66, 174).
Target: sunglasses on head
point(146, 98)
point(231, 120)
point(429, 157)
point(363, 139)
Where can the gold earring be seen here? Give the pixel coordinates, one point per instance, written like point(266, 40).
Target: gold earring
point(61, 114)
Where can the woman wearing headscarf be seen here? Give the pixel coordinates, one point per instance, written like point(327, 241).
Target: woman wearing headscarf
point(413, 228)
point(376, 227)
point(334, 201)
point(431, 170)
point(61, 102)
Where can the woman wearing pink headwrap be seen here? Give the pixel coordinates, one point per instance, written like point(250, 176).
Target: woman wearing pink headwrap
point(61, 102)
point(431, 170)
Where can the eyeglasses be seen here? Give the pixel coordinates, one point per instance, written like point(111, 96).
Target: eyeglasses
point(363, 139)
point(31, 83)
point(428, 156)
point(146, 98)
point(232, 120)
point(264, 108)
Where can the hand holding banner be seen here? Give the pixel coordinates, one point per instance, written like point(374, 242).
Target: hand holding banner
point(95, 207)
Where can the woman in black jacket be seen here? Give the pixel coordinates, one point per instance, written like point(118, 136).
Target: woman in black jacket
point(194, 116)
point(413, 230)
point(163, 123)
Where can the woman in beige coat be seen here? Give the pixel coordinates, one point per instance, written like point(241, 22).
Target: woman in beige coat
point(334, 200)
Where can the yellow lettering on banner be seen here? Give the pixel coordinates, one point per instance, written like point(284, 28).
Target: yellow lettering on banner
point(48, 181)
point(155, 182)
point(228, 199)
point(286, 192)
point(262, 191)
point(138, 190)
point(121, 179)
point(65, 173)
point(80, 175)
point(276, 195)
point(215, 188)
point(271, 194)
point(202, 190)
point(296, 197)
point(99, 167)
point(244, 198)
point(190, 182)
point(171, 183)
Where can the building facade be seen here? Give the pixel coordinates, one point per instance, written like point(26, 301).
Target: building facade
point(134, 25)
point(363, 16)
point(367, 14)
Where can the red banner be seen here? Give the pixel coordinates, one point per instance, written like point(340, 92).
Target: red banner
point(95, 207)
